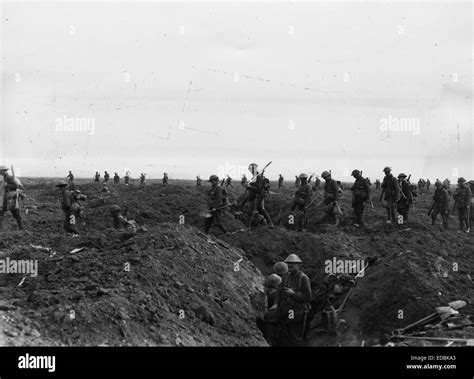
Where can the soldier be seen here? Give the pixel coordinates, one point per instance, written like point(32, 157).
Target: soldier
point(440, 205)
point(302, 200)
point(121, 222)
point(77, 207)
point(67, 202)
point(198, 181)
point(447, 185)
point(97, 177)
point(228, 181)
point(420, 184)
point(116, 178)
point(70, 177)
point(106, 177)
point(292, 301)
point(377, 184)
point(331, 195)
point(215, 203)
point(428, 184)
point(165, 178)
point(392, 193)
point(244, 181)
point(258, 190)
point(360, 195)
point(280, 181)
point(142, 179)
point(462, 201)
point(127, 177)
point(317, 183)
point(11, 194)
point(406, 197)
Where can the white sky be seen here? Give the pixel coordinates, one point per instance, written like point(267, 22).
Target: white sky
point(304, 84)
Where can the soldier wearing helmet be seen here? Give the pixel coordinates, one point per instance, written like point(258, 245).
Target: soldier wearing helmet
point(70, 177)
point(331, 195)
point(121, 222)
point(292, 300)
point(67, 205)
point(301, 200)
point(10, 193)
point(142, 179)
point(360, 195)
point(391, 190)
point(106, 177)
point(165, 178)
point(116, 178)
point(406, 197)
point(463, 197)
point(97, 177)
point(198, 181)
point(258, 189)
point(280, 181)
point(215, 203)
point(126, 178)
point(271, 285)
point(280, 268)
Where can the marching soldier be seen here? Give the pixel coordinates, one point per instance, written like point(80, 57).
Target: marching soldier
point(377, 184)
point(215, 204)
point(244, 181)
point(428, 184)
point(331, 195)
point(67, 204)
point(406, 198)
point(280, 181)
point(258, 189)
point(142, 179)
point(198, 181)
point(97, 177)
point(70, 177)
point(440, 205)
point(360, 195)
point(165, 178)
point(127, 177)
point(302, 200)
point(10, 191)
point(106, 177)
point(391, 190)
point(116, 178)
point(228, 181)
point(462, 197)
point(297, 181)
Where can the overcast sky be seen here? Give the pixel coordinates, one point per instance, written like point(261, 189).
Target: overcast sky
point(198, 88)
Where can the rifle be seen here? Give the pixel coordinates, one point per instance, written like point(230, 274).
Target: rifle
point(260, 174)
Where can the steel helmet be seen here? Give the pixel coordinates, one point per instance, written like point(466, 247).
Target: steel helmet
point(213, 177)
point(325, 174)
point(114, 208)
point(338, 288)
point(303, 176)
point(4, 168)
point(293, 258)
point(402, 175)
point(387, 169)
point(280, 268)
point(355, 172)
point(61, 183)
point(273, 281)
point(461, 180)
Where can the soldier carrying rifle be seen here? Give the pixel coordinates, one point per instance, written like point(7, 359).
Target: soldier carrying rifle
point(440, 205)
point(10, 190)
point(462, 197)
point(215, 204)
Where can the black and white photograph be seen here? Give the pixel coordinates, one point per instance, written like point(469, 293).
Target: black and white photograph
point(237, 174)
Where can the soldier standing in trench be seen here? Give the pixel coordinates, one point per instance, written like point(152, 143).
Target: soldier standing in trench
point(258, 190)
point(331, 195)
point(301, 201)
point(406, 197)
point(292, 303)
point(360, 195)
point(391, 190)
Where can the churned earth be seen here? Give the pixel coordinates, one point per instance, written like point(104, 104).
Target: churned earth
point(174, 285)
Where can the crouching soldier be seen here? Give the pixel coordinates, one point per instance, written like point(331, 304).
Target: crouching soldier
point(10, 193)
point(67, 205)
point(292, 303)
point(121, 222)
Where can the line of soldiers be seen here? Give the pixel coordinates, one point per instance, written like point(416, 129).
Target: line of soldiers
point(422, 183)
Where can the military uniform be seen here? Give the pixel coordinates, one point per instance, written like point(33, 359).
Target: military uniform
point(106, 177)
point(463, 196)
point(68, 207)
point(293, 309)
point(331, 195)
point(97, 177)
point(440, 205)
point(360, 194)
point(116, 179)
point(258, 190)
point(391, 195)
point(215, 201)
point(280, 181)
point(165, 179)
point(11, 200)
point(403, 204)
point(301, 201)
